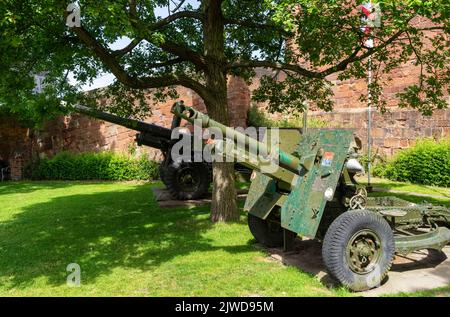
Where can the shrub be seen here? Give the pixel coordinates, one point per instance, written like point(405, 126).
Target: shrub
point(257, 118)
point(92, 166)
point(377, 161)
point(428, 162)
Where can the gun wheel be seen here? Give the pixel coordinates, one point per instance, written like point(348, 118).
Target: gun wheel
point(358, 249)
point(188, 181)
point(162, 170)
point(266, 231)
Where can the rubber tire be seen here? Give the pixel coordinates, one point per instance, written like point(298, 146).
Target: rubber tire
point(338, 235)
point(261, 231)
point(201, 170)
point(162, 171)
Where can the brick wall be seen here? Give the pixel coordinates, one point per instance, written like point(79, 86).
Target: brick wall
point(15, 145)
point(79, 133)
point(392, 131)
point(397, 129)
point(14, 139)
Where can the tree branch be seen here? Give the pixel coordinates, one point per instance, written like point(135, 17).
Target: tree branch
point(251, 24)
point(419, 59)
point(106, 57)
point(134, 82)
point(171, 47)
point(354, 58)
point(342, 65)
point(432, 28)
point(127, 49)
point(167, 20)
point(274, 65)
point(173, 17)
point(255, 25)
point(166, 63)
point(178, 6)
point(184, 53)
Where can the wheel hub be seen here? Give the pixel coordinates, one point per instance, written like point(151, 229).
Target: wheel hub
point(187, 180)
point(363, 251)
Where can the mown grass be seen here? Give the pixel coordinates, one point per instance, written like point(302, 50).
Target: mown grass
point(407, 187)
point(127, 246)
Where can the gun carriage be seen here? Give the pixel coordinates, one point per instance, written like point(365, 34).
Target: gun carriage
point(305, 185)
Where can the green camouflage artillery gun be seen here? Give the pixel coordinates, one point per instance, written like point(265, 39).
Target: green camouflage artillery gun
point(312, 192)
point(184, 180)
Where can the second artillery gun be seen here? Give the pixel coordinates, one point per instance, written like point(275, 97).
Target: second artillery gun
point(184, 180)
point(305, 186)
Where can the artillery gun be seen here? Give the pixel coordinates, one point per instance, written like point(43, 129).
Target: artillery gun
point(305, 185)
point(184, 180)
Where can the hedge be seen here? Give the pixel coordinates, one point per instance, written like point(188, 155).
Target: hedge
point(428, 162)
point(257, 118)
point(92, 166)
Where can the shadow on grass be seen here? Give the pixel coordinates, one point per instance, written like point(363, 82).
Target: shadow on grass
point(25, 187)
point(401, 187)
point(28, 187)
point(414, 199)
point(100, 232)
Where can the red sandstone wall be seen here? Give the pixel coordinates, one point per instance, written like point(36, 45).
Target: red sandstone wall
point(396, 129)
point(392, 131)
point(15, 145)
point(13, 138)
point(79, 133)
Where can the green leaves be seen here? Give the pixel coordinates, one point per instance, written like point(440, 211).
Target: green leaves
point(328, 32)
point(428, 162)
point(322, 37)
point(287, 92)
point(93, 166)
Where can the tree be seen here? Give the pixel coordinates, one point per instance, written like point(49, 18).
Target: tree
point(197, 44)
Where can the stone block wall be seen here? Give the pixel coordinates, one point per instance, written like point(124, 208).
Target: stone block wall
point(79, 133)
point(391, 131)
point(14, 139)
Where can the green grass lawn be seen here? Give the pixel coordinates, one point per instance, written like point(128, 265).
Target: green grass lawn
point(127, 246)
point(406, 187)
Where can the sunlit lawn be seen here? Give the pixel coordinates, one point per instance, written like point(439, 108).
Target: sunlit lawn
point(407, 187)
point(127, 246)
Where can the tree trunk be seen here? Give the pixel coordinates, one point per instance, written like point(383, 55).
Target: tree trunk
point(223, 206)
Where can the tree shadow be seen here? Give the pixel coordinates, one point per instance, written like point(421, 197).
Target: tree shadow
point(24, 187)
point(422, 259)
point(100, 232)
point(414, 199)
point(400, 187)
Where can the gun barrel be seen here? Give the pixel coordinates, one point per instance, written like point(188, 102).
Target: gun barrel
point(132, 124)
point(285, 160)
